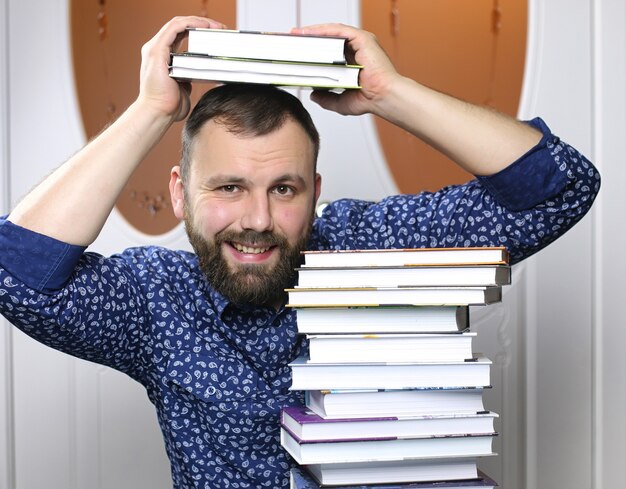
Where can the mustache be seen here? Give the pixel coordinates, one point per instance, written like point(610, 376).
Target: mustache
point(265, 238)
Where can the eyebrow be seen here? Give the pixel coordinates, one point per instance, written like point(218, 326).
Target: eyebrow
point(291, 177)
point(224, 180)
point(217, 180)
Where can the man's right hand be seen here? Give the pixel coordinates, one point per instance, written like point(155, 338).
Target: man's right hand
point(157, 90)
point(73, 203)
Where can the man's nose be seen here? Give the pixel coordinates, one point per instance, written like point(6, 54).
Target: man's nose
point(257, 214)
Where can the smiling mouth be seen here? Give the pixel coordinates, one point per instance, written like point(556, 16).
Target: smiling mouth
point(251, 250)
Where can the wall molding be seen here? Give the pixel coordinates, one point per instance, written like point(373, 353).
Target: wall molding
point(7, 439)
point(527, 109)
point(558, 309)
point(609, 263)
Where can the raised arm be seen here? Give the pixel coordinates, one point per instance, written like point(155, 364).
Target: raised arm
point(479, 139)
point(73, 203)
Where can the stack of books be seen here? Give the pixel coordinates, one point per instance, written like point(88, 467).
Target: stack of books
point(393, 387)
point(267, 58)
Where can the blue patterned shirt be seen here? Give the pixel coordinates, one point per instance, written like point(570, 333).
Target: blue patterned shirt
point(217, 373)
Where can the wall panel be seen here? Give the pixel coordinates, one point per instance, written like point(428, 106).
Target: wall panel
point(610, 235)
point(559, 321)
point(6, 356)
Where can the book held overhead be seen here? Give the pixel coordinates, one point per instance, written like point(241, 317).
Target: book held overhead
point(266, 45)
point(281, 59)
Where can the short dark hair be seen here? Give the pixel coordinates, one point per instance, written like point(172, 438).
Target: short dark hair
point(246, 109)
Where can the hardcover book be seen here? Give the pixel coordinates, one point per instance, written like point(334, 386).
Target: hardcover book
point(406, 257)
point(320, 452)
point(305, 425)
point(408, 276)
point(402, 402)
point(188, 66)
point(322, 376)
point(312, 476)
point(383, 296)
point(341, 348)
point(386, 319)
point(266, 45)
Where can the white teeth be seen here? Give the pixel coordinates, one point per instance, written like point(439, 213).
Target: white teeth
point(247, 249)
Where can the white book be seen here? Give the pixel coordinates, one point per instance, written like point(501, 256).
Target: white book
point(408, 276)
point(377, 296)
point(389, 319)
point(368, 348)
point(433, 471)
point(188, 66)
point(328, 376)
point(399, 402)
point(266, 45)
point(406, 257)
point(378, 450)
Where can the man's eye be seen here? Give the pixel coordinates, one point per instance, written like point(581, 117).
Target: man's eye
point(229, 188)
point(283, 190)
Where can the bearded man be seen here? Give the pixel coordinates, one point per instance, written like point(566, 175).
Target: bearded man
point(207, 333)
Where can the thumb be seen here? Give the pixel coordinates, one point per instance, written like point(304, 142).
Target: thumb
point(327, 100)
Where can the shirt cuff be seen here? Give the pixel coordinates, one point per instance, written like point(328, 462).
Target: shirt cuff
point(530, 180)
point(38, 261)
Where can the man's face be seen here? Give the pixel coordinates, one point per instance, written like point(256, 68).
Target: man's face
point(248, 208)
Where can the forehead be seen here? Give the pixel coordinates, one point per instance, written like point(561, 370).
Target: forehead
point(216, 148)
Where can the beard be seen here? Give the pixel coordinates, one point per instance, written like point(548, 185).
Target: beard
point(252, 284)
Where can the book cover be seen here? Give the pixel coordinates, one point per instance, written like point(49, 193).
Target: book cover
point(388, 403)
point(322, 376)
point(306, 425)
point(407, 257)
point(385, 319)
point(372, 347)
point(302, 479)
point(406, 276)
point(266, 45)
point(318, 452)
point(375, 296)
point(189, 66)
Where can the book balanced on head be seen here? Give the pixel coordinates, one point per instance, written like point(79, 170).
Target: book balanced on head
point(266, 45)
point(266, 58)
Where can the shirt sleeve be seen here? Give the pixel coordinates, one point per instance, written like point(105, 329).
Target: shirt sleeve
point(524, 207)
point(74, 301)
point(534, 178)
point(38, 261)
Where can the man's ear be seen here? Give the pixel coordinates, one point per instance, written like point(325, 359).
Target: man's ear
point(318, 186)
point(177, 193)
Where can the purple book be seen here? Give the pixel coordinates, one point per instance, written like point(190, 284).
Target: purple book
point(301, 479)
point(295, 418)
point(304, 415)
point(308, 427)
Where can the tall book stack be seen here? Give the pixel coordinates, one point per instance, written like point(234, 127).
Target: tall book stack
point(393, 387)
point(267, 58)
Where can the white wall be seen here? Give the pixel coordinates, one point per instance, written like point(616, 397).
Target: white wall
point(609, 340)
point(558, 322)
point(575, 333)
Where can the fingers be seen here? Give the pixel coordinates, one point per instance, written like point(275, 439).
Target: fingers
point(157, 90)
point(339, 30)
point(326, 100)
point(342, 103)
point(173, 32)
